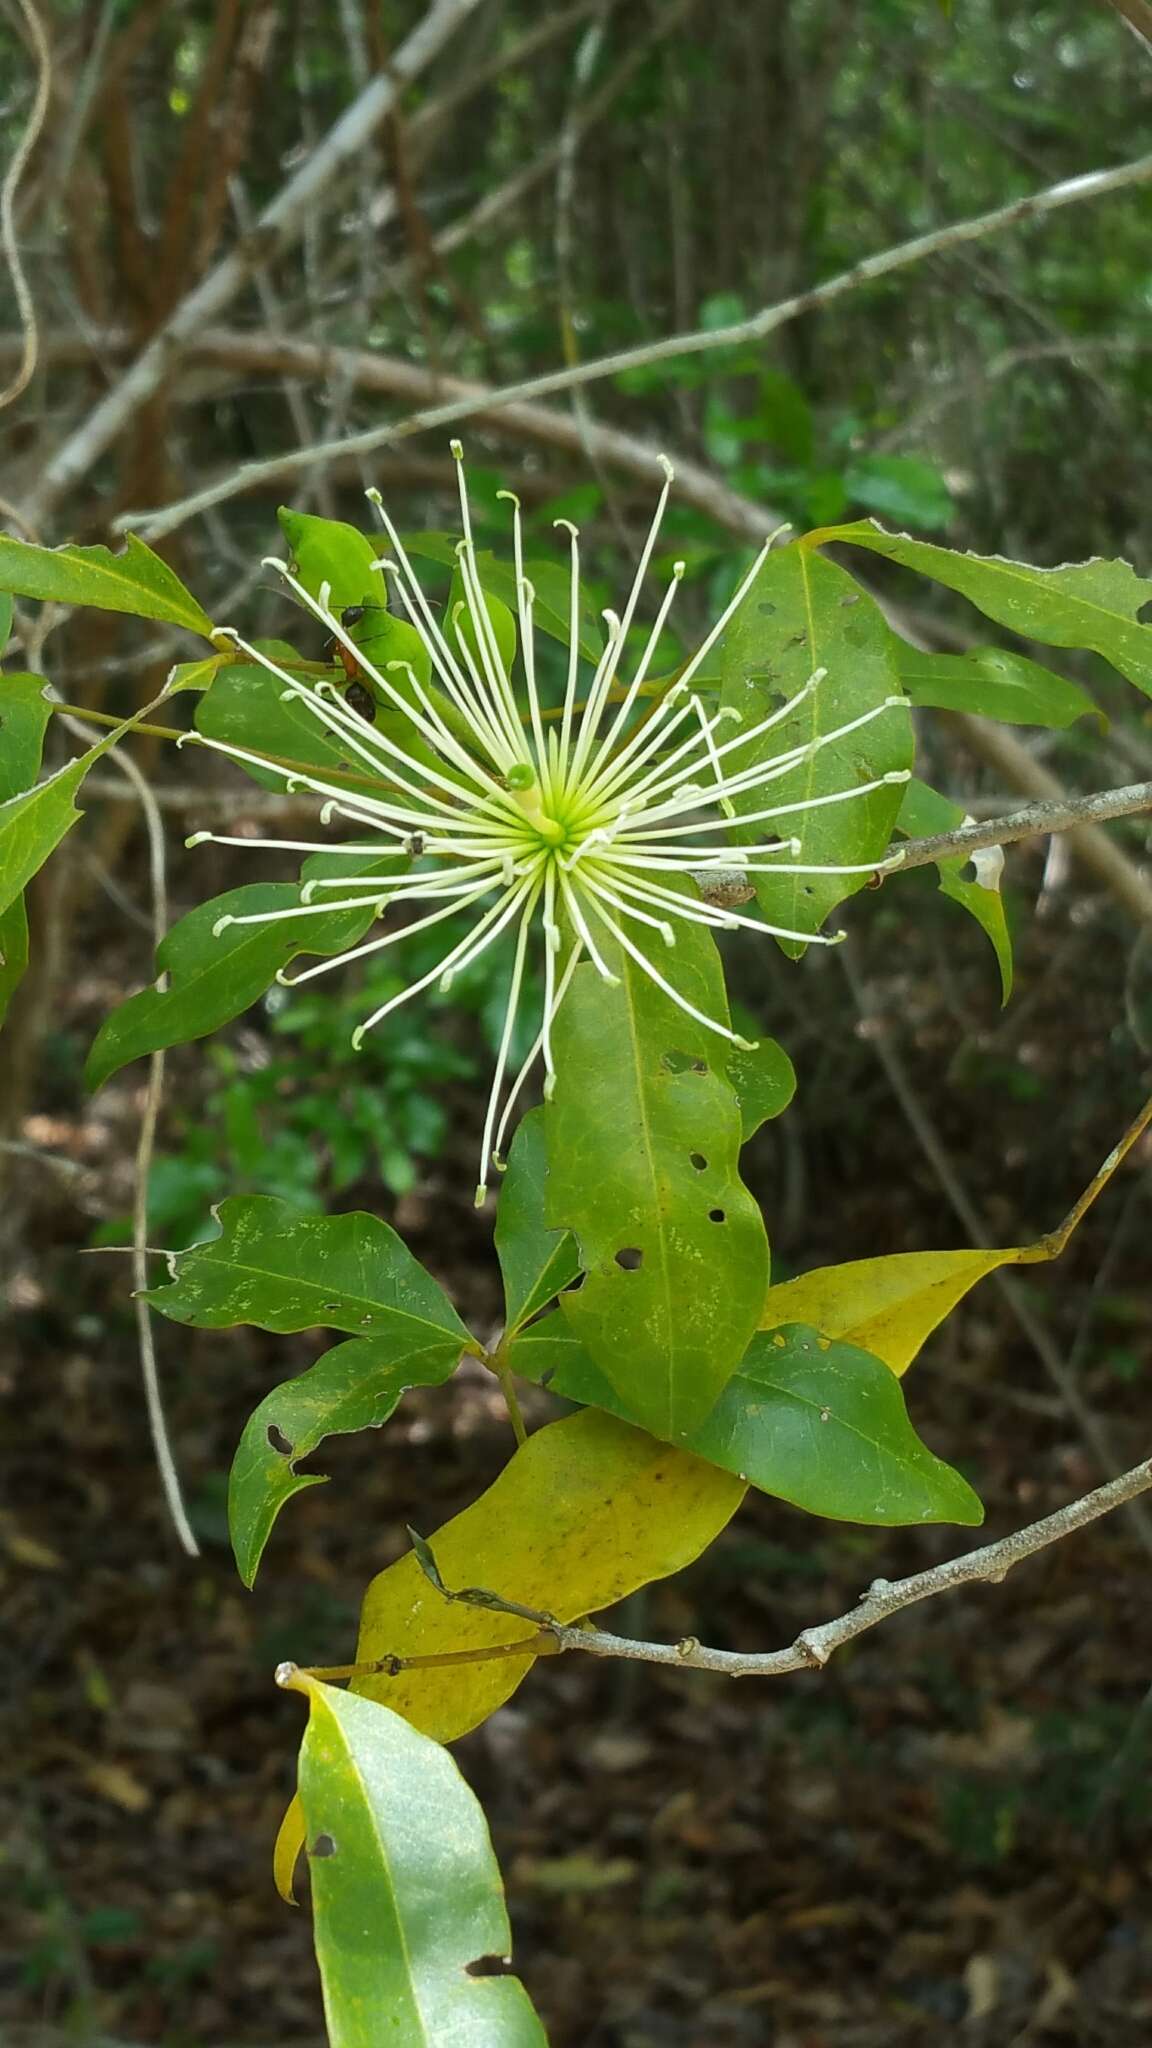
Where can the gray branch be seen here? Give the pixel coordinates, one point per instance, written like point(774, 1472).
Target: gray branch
point(1063, 816)
point(1070, 192)
point(278, 226)
point(812, 1649)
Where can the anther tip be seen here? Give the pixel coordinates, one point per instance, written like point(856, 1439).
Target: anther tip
point(282, 979)
point(457, 450)
point(898, 775)
point(481, 1195)
point(197, 839)
point(747, 1044)
point(904, 703)
point(666, 466)
point(511, 497)
point(221, 925)
point(573, 530)
point(678, 569)
point(549, 1087)
point(358, 1038)
point(276, 562)
point(373, 495)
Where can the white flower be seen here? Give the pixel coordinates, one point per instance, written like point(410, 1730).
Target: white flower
point(585, 820)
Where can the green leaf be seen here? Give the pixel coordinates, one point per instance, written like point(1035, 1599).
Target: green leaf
point(644, 1134)
point(329, 551)
point(246, 707)
point(802, 614)
point(994, 683)
point(820, 1424)
point(215, 978)
point(900, 487)
point(1092, 604)
point(924, 813)
point(536, 1262)
point(13, 952)
point(584, 1513)
point(368, 1276)
point(136, 582)
point(406, 1893)
point(6, 609)
point(765, 1082)
point(501, 615)
point(24, 715)
point(552, 609)
point(283, 1268)
point(33, 824)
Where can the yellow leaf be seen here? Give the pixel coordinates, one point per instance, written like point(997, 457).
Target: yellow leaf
point(289, 1843)
point(587, 1510)
point(890, 1306)
point(886, 1306)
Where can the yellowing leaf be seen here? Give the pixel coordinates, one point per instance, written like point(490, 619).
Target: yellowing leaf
point(885, 1306)
point(587, 1510)
point(890, 1306)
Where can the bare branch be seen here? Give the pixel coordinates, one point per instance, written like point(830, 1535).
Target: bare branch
point(278, 226)
point(1055, 816)
point(1070, 192)
point(25, 304)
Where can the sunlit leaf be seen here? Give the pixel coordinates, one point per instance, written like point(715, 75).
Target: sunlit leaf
point(406, 1893)
point(136, 581)
point(994, 683)
point(536, 1262)
point(1093, 604)
point(817, 1423)
point(802, 614)
point(587, 1510)
point(33, 824)
point(643, 1135)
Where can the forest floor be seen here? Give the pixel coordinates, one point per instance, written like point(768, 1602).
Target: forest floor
point(944, 1834)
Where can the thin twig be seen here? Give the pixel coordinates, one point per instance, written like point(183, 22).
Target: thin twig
point(9, 241)
point(1062, 816)
point(279, 225)
point(1069, 192)
point(988, 1565)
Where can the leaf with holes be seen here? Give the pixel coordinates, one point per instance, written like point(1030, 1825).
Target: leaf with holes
point(584, 1513)
point(536, 1262)
point(1094, 604)
point(765, 1082)
point(803, 614)
point(820, 1424)
point(643, 1135)
point(406, 1894)
point(214, 977)
point(24, 715)
point(925, 812)
point(994, 683)
point(136, 581)
point(354, 1386)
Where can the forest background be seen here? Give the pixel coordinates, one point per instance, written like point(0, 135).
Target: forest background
point(950, 1826)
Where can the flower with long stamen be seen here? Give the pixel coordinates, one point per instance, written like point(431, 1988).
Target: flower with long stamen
point(589, 823)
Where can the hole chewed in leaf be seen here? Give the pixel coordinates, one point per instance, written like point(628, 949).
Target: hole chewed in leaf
point(323, 1846)
point(279, 1441)
point(629, 1258)
point(698, 1160)
point(683, 1063)
point(575, 1285)
point(489, 1966)
point(716, 1216)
